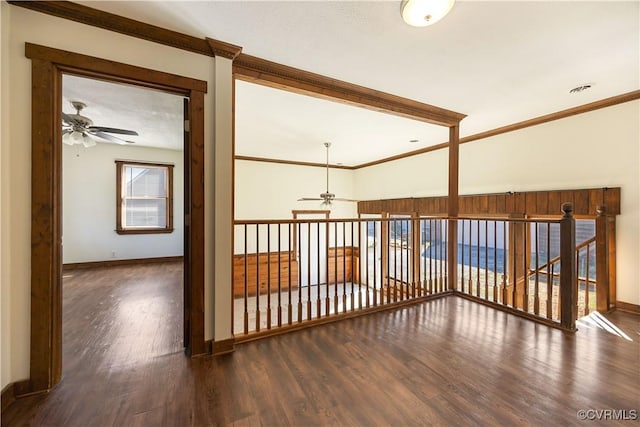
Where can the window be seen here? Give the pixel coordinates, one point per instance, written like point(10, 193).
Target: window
point(144, 197)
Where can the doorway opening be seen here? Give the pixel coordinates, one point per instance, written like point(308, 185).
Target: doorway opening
point(48, 67)
point(122, 222)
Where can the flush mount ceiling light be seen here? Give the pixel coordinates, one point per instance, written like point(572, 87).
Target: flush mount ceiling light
point(420, 13)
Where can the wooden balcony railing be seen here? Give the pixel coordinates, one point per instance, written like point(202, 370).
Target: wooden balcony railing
point(511, 262)
point(288, 273)
point(291, 272)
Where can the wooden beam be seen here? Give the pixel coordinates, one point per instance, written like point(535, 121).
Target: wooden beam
point(602, 261)
point(452, 208)
point(568, 281)
point(260, 71)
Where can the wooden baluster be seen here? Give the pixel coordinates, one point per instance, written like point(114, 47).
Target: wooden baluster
point(375, 263)
point(505, 256)
point(525, 266)
point(514, 276)
point(445, 254)
point(395, 262)
point(470, 258)
point(366, 250)
point(318, 281)
point(352, 284)
point(335, 263)
point(436, 257)
point(495, 261)
point(401, 296)
point(536, 298)
point(360, 281)
point(289, 306)
point(568, 275)
point(486, 259)
point(388, 261)
point(602, 260)
point(299, 258)
point(308, 271)
point(246, 284)
point(432, 252)
point(478, 258)
point(586, 282)
point(268, 276)
point(437, 261)
point(556, 292)
point(462, 282)
point(258, 277)
point(279, 276)
point(443, 266)
point(344, 266)
point(422, 260)
point(549, 275)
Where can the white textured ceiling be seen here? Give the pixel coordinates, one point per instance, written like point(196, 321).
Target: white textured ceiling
point(155, 115)
point(497, 62)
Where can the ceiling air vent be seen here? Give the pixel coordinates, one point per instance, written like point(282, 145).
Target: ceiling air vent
point(581, 88)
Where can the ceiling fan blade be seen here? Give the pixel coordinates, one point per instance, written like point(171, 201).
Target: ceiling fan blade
point(106, 136)
point(112, 130)
point(309, 199)
point(67, 118)
point(338, 199)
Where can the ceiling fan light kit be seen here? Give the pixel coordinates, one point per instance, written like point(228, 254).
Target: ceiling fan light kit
point(421, 13)
point(78, 129)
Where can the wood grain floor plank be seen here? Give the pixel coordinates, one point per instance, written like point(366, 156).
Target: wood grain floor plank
point(446, 362)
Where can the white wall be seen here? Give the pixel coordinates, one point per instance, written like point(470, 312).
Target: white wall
point(89, 211)
point(5, 289)
point(20, 25)
point(591, 150)
point(271, 190)
point(417, 176)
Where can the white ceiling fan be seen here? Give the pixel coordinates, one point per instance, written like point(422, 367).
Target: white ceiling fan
point(78, 129)
point(326, 198)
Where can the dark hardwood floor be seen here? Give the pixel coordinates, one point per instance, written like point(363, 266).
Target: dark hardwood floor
point(445, 362)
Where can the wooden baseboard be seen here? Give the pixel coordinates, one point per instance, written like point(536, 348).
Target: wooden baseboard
point(513, 311)
point(628, 307)
point(221, 347)
point(16, 390)
point(8, 396)
point(337, 317)
point(120, 262)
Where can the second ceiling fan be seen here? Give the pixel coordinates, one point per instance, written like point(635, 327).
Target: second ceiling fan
point(78, 129)
point(327, 197)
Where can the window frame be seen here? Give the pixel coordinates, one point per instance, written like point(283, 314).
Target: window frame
point(120, 167)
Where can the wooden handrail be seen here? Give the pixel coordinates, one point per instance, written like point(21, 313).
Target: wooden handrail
point(388, 219)
point(557, 259)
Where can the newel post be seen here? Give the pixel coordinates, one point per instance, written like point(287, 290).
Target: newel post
point(602, 260)
point(568, 284)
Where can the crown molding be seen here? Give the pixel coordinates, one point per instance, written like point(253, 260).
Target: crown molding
point(581, 109)
point(224, 49)
point(119, 24)
point(291, 162)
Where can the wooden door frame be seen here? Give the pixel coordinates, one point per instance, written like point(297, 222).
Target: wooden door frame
point(47, 67)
